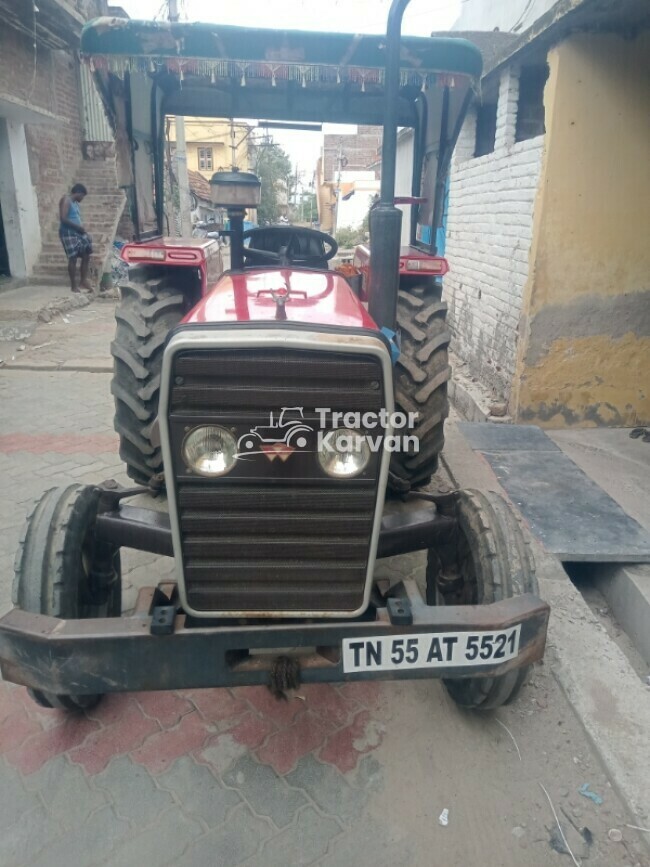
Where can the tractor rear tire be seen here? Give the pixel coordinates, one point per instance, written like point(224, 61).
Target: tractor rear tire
point(52, 570)
point(150, 307)
point(490, 561)
point(421, 377)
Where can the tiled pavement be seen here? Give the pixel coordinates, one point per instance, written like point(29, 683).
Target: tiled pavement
point(343, 775)
point(161, 777)
point(156, 776)
point(214, 776)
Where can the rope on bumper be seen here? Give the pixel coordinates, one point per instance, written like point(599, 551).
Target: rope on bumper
point(284, 676)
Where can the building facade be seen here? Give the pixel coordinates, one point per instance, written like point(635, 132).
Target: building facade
point(346, 158)
point(549, 294)
point(489, 234)
point(209, 144)
point(50, 131)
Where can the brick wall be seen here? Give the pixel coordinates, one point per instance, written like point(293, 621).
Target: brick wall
point(49, 80)
point(489, 231)
point(42, 78)
point(55, 150)
point(18, 74)
point(359, 149)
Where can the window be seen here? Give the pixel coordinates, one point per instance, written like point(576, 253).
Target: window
point(486, 128)
point(530, 110)
point(486, 118)
point(205, 159)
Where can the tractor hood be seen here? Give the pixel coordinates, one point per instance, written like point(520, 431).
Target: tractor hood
point(282, 294)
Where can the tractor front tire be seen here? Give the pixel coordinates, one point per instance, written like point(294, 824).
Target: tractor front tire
point(490, 561)
point(150, 307)
point(52, 571)
point(421, 377)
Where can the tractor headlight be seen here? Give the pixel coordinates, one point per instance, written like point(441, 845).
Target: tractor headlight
point(343, 453)
point(210, 450)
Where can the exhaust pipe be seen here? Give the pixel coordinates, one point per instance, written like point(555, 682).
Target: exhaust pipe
point(385, 219)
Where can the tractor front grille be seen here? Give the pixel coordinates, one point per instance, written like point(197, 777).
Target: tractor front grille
point(273, 536)
point(290, 552)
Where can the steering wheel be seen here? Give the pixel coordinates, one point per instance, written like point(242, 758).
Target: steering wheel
point(286, 239)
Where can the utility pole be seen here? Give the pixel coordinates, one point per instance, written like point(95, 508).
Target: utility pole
point(339, 164)
point(233, 146)
point(185, 202)
point(295, 194)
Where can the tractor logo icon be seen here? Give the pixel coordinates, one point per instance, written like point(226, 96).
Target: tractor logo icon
point(280, 438)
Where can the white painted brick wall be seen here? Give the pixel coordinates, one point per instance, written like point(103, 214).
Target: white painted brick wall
point(489, 231)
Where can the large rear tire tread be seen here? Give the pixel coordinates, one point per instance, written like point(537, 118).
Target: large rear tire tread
point(150, 307)
point(48, 569)
point(421, 377)
point(504, 567)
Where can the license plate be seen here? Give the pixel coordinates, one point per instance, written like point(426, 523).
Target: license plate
point(430, 650)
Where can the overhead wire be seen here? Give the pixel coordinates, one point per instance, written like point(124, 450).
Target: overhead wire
point(35, 45)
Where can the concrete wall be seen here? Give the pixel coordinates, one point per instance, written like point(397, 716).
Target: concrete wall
point(489, 232)
point(584, 357)
point(353, 211)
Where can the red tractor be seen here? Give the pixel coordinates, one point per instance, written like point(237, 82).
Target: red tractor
point(269, 553)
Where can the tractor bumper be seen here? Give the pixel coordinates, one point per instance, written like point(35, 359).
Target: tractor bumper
point(405, 639)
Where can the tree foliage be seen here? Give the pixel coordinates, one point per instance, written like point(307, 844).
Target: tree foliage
point(306, 209)
point(273, 167)
point(348, 237)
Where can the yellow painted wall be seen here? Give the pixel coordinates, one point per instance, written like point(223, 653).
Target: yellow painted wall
point(584, 353)
point(220, 157)
point(207, 132)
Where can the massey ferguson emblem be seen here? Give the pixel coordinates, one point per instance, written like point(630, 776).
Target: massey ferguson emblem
point(276, 450)
point(280, 438)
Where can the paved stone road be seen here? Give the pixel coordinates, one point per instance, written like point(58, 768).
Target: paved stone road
point(342, 775)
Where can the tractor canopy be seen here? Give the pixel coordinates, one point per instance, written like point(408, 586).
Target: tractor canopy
point(146, 70)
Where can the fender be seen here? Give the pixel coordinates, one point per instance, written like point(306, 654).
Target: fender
point(201, 253)
point(412, 262)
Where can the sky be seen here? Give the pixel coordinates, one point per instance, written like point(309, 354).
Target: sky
point(352, 16)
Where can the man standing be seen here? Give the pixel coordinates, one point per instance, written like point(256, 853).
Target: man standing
point(77, 243)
